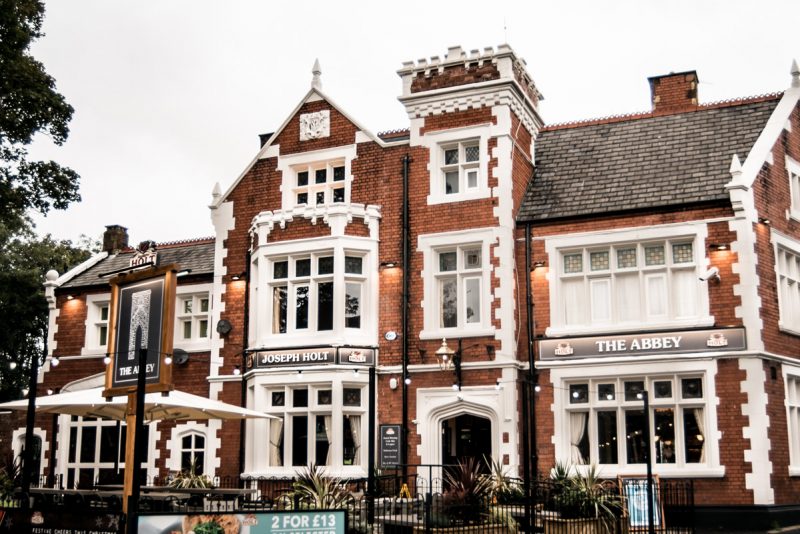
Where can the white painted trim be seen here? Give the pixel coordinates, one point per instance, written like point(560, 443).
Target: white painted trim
point(194, 345)
point(780, 240)
point(792, 167)
point(286, 163)
point(224, 221)
point(212, 460)
point(78, 269)
point(757, 432)
point(766, 140)
point(706, 368)
point(793, 372)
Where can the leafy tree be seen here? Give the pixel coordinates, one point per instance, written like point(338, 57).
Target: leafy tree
point(29, 105)
point(24, 260)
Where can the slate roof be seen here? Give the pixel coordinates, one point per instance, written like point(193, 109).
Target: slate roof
point(641, 163)
point(196, 255)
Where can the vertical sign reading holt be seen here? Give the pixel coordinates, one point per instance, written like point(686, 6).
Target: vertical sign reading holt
point(142, 301)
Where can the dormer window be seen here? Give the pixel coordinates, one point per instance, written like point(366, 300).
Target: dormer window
point(320, 183)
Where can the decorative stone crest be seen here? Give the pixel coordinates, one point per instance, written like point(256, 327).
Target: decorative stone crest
point(315, 125)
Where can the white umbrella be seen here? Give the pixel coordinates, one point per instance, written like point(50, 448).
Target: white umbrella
point(157, 406)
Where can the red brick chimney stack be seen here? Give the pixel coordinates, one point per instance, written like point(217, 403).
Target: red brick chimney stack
point(115, 238)
point(674, 92)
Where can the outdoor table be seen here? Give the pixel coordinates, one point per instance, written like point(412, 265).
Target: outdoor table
point(77, 496)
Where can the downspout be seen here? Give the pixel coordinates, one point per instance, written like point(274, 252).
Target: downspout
point(406, 259)
point(530, 383)
point(245, 336)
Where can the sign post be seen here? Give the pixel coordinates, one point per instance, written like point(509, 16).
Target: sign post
point(141, 326)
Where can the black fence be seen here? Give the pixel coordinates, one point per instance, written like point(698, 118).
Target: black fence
point(426, 501)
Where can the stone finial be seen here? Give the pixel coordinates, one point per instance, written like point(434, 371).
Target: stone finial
point(316, 82)
point(736, 166)
point(795, 74)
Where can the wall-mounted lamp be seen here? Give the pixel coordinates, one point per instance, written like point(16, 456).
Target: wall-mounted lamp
point(388, 264)
point(538, 264)
point(237, 371)
point(70, 297)
point(764, 220)
point(718, 246)
point(444, 355)
point(498, 385)
point(237, 277)
point(537, 388)
point(54, 361)
point(407, 380)
point(392, 383)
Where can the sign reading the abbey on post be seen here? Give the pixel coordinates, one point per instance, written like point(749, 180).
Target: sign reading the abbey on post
point(727, 339)
point(141, 302)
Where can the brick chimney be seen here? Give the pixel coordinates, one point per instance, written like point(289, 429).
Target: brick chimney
point(674, 92)
point(115, 238)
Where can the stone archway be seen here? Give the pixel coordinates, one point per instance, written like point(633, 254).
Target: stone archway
point(466, 436)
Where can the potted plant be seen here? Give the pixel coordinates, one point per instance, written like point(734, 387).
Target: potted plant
point(190, 479)
point(10, 475)
point(588, 503)
point(314, 489)
point(504, 489)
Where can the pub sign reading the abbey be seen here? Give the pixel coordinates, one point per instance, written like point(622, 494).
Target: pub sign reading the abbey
point(142, 301)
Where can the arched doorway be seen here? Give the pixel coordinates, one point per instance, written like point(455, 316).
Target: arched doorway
point(466, 436)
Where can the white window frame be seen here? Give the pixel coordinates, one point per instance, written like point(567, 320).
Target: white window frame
point(793, 175)
point(431, 245)
point(290, 165)
point(787, 280)
point(337, 379)
point(648, 372)
point(639, 237)
point(437, 142)
point(262, 284)
point(94, 305)
point(791, 377)
point(312, 188)
point(175, 448)
point(195, 292)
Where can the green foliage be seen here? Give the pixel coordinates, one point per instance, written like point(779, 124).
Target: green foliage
point(468, 493)
point(314, 489)
point(24, 260)
point(10, 476)
point(585, 495)
point(504, 489)
point(29, 105)
point(190, 479)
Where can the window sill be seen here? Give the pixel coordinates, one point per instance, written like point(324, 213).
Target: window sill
point(662, 471)
point(788, 330)
point(560, 331)
point(93, 351)
point(291, 472)
point(794, 470)
point(454, 333)
point(442, 198)
point(193, 346)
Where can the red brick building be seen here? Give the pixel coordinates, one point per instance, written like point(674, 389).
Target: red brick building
point(664, 256)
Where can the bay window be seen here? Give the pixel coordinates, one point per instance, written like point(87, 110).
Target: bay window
point(319, 423)
point(606, 422)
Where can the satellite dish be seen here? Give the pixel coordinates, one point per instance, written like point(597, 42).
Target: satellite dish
point(180, 356)
point(224, 326)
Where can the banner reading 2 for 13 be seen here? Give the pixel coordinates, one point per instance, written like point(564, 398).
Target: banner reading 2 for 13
point(314, 522)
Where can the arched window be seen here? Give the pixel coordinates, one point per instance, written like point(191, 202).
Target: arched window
point(193, 447)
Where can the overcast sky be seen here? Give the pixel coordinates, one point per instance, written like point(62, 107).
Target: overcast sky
point(170, 96)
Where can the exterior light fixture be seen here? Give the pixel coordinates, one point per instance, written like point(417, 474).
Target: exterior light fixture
point(168, 359)
point(54, 361)
point(764, 220)
point(237, 277)
point(498, 385)
point(237, 371)
point(538, 264)
point(718, 246)
point(106, 359)
point(407, 380)
point(49, 391)
point(388, 264)
point(392, 383)
point(444, 355)
point(456, 388)
point(355, 372)
point(70, 297)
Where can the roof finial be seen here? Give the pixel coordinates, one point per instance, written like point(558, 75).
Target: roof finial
point(316, 83)
point(795, 74)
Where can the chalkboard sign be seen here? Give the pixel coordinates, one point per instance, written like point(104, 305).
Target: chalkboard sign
point(391, 441)
point(634, 490)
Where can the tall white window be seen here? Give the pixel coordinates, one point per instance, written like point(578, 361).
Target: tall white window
point(304, 297)
point(97, 313)
point(193, 317)
point(460, 167)
point(320, 423)
point(457, 284)
point(787, 266)
point(320, 183)
point(94, 447)
point(793, 413)
point(193, 451)
point(605, 421)
point(601, 284)
point(793, 172)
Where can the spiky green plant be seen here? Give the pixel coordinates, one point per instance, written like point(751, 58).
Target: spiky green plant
point(468, 492)
point(314, 489)
point(585, 495)
point(503, 488)
point(190, 479)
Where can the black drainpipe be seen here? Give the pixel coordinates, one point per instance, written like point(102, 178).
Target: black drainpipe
point(532, 378)
point(245, 335)
point(404, 314)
